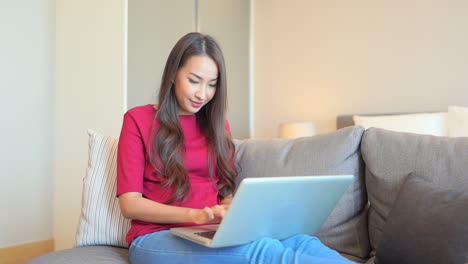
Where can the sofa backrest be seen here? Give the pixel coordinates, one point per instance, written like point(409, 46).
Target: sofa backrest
point(327, 154)
point(390, 157)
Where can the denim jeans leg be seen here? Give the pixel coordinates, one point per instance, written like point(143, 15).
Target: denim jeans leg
point(312, 246)
point(163, 247)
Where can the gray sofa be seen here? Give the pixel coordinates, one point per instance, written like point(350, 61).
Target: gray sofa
point(382, 161)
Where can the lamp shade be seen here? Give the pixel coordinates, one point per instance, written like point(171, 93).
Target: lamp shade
point(297, 129)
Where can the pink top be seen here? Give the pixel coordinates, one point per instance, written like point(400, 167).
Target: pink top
point(135, 173)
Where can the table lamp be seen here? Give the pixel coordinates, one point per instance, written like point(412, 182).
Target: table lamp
point(297, 129)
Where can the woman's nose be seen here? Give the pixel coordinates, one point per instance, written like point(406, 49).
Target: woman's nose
point(201, 93)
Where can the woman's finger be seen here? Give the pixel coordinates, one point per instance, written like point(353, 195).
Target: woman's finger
point(219, 210)
point(227, 200)
point(209, 212)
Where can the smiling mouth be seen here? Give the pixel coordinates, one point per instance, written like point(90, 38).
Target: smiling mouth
point(196, 104)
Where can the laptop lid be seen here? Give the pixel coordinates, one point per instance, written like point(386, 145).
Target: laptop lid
point(279, 207)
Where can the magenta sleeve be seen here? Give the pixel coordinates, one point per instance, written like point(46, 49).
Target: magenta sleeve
point(130, 158)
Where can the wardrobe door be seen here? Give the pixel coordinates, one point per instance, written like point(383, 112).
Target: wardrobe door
point(228, 21)
point(154, 26)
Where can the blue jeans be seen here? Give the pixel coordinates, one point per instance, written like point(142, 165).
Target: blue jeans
point(162, 247)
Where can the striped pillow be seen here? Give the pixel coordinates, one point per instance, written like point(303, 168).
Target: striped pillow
point(101, 222)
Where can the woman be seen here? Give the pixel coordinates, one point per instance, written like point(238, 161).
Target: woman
point(175, 167)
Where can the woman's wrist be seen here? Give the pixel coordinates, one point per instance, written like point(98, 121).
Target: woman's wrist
point(197, 216)
point(190, 215)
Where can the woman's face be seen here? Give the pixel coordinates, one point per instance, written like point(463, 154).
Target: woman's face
point(195, 84)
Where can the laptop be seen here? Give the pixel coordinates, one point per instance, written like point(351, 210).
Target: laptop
point(275, 207)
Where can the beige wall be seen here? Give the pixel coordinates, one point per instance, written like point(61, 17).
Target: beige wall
point(318, 59)
point(26, 134)
point(90, 93)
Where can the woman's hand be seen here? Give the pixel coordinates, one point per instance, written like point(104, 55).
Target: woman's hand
point(214, 214)
point(227, 201)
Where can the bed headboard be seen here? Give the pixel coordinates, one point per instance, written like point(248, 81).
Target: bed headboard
point(347, 120)
point(344, 121)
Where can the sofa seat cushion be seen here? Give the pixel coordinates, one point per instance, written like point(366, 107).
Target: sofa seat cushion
point(88, 255)
point(334, 153)
point(390, 157)
point(428, 224)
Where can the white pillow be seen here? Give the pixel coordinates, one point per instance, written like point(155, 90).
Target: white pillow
point(458, 121)
point(424, 123)
point(101, 221)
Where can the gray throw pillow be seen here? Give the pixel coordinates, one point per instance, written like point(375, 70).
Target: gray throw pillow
point(428, 224)
point(391, 156)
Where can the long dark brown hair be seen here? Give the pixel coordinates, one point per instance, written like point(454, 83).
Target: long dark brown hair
point(168, 138)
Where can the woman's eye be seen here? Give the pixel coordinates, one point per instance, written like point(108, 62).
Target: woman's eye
point(192, 81)
point(214, 85)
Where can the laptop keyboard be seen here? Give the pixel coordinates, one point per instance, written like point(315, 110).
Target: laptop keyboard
point(207, 234)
